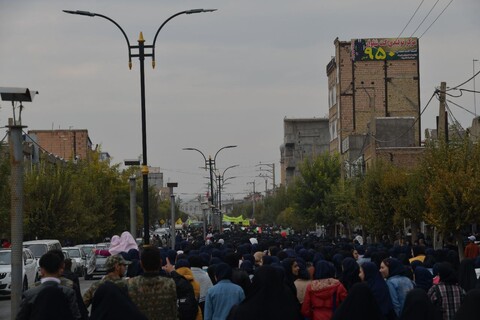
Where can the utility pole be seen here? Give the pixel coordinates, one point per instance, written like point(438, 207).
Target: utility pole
point(442, 122)
point(253, 198)
point(270, 173)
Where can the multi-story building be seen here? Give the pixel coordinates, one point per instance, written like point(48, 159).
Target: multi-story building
point(367, 79)
point(303, 138)
point(71, 144)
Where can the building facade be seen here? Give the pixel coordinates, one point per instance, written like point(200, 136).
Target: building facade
point(367, 79)
point(66, 144)
point(303, 138)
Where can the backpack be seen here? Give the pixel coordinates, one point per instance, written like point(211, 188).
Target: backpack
point(186, 302)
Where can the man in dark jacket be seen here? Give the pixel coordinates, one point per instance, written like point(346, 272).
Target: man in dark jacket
point(49, 300)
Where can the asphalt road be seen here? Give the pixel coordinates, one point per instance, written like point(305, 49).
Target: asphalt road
point(5, 305)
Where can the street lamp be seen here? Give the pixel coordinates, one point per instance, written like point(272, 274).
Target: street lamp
point(141, 57)
point(212, 165)
point(221, 181)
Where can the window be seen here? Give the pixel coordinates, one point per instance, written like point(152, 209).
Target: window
point(332, 96)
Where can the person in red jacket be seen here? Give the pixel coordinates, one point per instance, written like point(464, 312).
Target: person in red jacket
point(471, 250)
point(324, 294)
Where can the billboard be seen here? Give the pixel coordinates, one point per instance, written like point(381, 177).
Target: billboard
point(377, 49)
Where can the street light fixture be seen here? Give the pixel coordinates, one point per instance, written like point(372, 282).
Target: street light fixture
point(141, 57)
point(212, 165)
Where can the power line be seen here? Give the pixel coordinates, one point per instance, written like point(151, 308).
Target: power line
point(436, 18)
point(410, 19)
point(465, 82)
point(433, 7)
point(461, 107)
point(408, 130)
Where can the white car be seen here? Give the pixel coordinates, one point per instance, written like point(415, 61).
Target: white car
point(29, 270)
point(79, 256)
point(66, 254)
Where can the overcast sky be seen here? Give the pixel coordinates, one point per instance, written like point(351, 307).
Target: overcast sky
point(222, 78)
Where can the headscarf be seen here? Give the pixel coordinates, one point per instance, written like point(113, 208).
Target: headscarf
point(378, 286)
point(350, 270)
point(423, 278)
point(418, 306)
point(470, 308)
point(446, 273)
point(122, 244)
point(324, 270)
point(268, 298)
point(110, 302)
point(395, 267)
point(467, 277)
point(360, 304)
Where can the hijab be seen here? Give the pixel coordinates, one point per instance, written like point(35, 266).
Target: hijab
point(360, 304)
point(446, 273)
point(470, 308)
point(122, 244)
point(324, 270)
point(268, 298)
point(378, 286)
point(467, 277)
point(395, 267)
point(418, 306)
point(111, 302)
point(350, 271)
point(423, 278)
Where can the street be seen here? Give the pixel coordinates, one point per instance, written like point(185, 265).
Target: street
point(5, 307)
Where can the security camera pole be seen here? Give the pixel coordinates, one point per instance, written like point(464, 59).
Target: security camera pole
point(16, 95)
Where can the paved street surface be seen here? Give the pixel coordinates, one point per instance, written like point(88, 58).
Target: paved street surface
point(5, 306)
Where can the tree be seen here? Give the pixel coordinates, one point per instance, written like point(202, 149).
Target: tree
point(452, 172)
point(342, 202)
point(318, 176)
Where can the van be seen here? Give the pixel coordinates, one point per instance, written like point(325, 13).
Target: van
point(39, 247)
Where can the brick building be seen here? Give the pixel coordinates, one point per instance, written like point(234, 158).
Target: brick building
point(66, 144)
point(367, 79)
point(302, 138)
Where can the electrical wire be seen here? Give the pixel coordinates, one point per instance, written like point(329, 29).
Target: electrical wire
point(400, 34)
point(436, 19)
point(434, 5)
point(465, 82)
point(6, 134)
point(408, 130)
point(461, 107)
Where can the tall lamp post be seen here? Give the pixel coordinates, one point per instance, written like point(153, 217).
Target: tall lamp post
point(220, 184)
point(141, 57)
point(211, 163)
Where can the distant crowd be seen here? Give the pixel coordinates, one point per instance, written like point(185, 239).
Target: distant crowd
point(253, 274)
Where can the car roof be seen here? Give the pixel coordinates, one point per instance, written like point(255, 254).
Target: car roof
point(40, 241)
point(68, 248)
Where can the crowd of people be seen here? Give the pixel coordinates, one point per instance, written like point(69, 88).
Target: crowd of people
point(245, 275)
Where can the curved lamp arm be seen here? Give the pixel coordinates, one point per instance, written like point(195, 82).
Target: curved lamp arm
point(93, 14)
point(203, 155)
point(192, 11)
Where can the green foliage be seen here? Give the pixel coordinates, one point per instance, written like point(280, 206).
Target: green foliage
point(318, 176)
point(453, 194)
point(4, 193)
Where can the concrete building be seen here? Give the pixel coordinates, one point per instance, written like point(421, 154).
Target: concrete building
point(369, 79)
point(303, 138)
point(66, 144)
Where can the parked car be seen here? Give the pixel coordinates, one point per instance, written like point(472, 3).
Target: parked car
point(66, 255)
point(29, 270)
point(78, 255)
point(96, 262)
point(39, 247)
